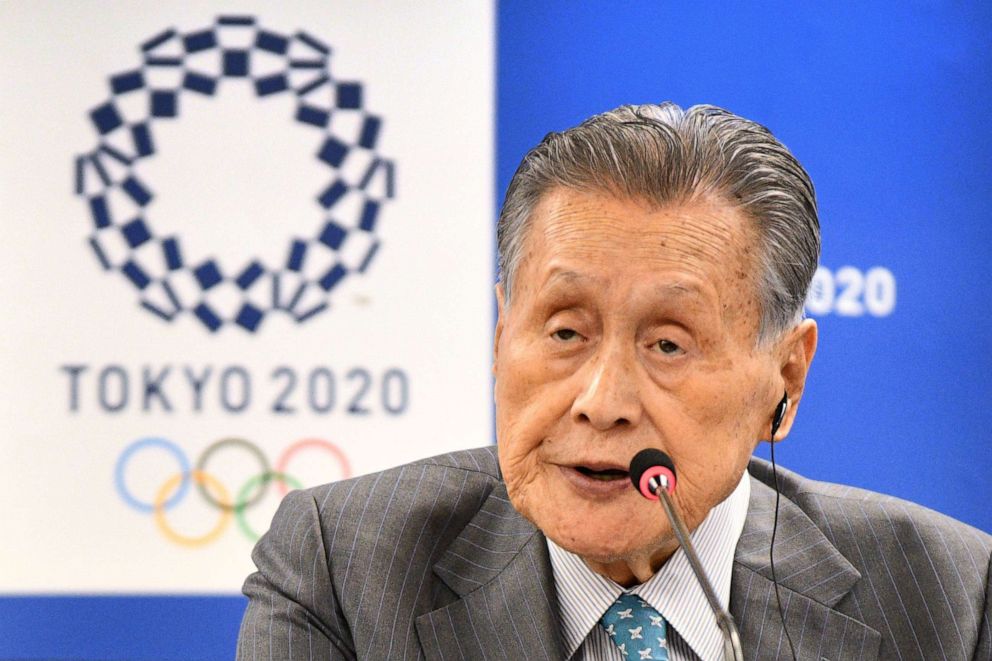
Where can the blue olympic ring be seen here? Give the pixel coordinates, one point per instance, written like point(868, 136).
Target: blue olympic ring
point(156, 265)
point(175, 450)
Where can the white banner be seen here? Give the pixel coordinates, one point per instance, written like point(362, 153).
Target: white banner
point(248, 247)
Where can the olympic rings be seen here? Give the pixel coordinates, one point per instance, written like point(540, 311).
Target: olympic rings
point(214, 493)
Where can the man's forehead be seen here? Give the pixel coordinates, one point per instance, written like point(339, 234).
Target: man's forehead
point(698, 254)
point(558, 275)
point(583, 224)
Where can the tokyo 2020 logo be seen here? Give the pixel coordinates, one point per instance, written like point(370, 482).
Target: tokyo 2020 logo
point(230, 502)
point(169, 281)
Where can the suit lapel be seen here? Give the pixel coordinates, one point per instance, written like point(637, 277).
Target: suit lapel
point(506, 608)
point(812, 577)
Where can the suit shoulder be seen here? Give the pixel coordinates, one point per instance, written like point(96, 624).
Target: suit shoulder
point(881, 513)
point(481, 460)
point(444, 470)
point(933, 569)
point(401, 505)
point(891, 540)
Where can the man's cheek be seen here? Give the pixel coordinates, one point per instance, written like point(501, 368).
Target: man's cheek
point(522, 476)
point(530, 415)
point(697, 483)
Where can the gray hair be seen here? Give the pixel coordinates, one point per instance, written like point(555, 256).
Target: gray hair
point(664, 154)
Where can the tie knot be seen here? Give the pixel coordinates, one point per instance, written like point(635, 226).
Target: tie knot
point(637, 629)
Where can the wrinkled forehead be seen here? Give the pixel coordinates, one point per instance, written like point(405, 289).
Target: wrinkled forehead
point(698, 232)
point(699, 249)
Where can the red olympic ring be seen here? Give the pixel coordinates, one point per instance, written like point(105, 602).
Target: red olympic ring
point(293, 449)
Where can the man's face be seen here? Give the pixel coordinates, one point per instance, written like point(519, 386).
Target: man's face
point(630, 327)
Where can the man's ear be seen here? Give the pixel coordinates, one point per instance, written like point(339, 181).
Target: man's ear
point(796, 352)
point(500, 304)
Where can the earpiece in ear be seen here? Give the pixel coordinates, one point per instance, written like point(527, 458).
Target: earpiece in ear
point(779, 415)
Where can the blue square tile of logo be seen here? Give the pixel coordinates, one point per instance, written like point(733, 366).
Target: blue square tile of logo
point(207, 274)
point(236, 63)
point(136, 233)
point(350, 96)
point(249, 317)
point(163, 104)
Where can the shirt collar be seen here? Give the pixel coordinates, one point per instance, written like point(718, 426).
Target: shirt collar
point(584, 595)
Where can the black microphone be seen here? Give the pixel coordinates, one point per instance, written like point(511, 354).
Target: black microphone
point(653, 474)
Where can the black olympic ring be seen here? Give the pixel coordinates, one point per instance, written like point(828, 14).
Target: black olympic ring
point(261, 488)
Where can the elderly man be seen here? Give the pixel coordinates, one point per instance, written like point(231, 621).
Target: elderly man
point(655, 262)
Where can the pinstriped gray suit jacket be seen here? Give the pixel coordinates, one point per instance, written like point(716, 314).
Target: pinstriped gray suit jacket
point(430, 560)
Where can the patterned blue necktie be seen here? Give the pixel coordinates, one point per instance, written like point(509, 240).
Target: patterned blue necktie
point(638, 630)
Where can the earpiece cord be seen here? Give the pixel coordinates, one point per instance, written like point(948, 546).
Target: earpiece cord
point(771, 550)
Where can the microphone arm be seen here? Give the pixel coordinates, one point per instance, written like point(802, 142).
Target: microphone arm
point(731, 637)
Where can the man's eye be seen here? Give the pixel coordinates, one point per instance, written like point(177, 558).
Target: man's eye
point(668, 347)
point(565, 334)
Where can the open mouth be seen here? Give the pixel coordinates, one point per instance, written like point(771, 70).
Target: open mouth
point(605, 475)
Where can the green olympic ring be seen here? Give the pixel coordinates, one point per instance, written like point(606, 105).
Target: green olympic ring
point(239, 511)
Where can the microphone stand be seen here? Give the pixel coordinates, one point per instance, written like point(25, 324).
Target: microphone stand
point(731, 637)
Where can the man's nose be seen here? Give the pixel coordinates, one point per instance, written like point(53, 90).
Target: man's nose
point(609, 397)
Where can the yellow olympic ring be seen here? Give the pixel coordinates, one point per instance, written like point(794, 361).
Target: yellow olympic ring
point(202, 478)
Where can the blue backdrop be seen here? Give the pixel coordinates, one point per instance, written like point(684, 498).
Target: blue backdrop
point(885, 108)
point(885, 105)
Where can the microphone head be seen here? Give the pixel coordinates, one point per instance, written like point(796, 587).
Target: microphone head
point(651, 463)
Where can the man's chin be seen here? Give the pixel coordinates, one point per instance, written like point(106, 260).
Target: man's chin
point(604, 546)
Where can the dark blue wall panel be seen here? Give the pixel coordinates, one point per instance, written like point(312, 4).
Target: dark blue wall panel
point(112, 628)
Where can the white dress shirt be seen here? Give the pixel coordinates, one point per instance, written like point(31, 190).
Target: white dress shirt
point(583, 595)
